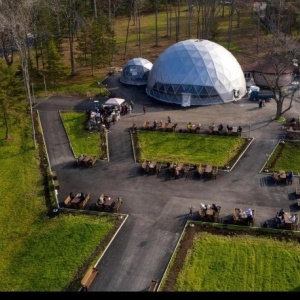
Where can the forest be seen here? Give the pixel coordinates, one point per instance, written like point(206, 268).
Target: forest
point(52, 41)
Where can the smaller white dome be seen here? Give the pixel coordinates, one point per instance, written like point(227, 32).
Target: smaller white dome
point(136, 71)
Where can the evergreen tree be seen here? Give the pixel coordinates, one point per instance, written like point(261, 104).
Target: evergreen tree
point(55, 68)
point(96, 44)
point(11, 89)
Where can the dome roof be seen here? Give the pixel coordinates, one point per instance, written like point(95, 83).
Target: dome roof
point(196, 72)
point(136, 71)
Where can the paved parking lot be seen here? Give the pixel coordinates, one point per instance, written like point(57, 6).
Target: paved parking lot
point(158, 208)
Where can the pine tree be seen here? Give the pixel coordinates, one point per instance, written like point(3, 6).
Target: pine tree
point(11, 89)
point(96, 44)
point(55, 68)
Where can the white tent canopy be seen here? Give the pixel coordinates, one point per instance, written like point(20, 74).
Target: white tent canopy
point(114, 101)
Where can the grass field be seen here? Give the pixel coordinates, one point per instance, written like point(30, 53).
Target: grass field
point(83, 141)
point(235, 262)
point(187, 148)
point(39, 253)
point(286, 156)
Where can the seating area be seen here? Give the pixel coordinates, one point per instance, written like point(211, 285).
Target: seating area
point(173, 169)
point(78, 201)
point(209, 213)
point(86, 160)
point(283, 176)
point(179, 170)
point(190, 128)
point(287, 220)
point(292, 128)
point(107, 204)
point(207, 171)
point(241, 217)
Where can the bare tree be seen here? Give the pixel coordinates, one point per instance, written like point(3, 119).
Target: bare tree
point(277, 68)
point(7, 45)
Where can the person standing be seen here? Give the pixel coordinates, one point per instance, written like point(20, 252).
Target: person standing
point(169, 119)
point(144, 109)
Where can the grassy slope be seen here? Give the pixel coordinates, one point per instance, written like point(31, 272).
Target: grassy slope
point(37, 253)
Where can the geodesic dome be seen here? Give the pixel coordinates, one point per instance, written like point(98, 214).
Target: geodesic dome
point(196, 72)
point(136, 71)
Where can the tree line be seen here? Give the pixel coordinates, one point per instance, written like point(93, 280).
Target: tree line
point(32, 33)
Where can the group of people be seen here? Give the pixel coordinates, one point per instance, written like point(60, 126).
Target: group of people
point(208, 206)
point(280, 219)
point(247, 214)
point(195, 128)
point(105, 115)
point(220, 128)
point(107, 204)
point(160, 124)
point(81, 196)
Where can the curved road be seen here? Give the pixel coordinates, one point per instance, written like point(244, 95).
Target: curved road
point(158, 207)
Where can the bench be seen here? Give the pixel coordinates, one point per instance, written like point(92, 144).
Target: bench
point(144, 166)
point(118, 205)
point(158, 168)
point(54, 175)
point(67, 202)
point(84, 202)
point(292, 133)
point(214, 172)
point(200, 170)
point(153, 286)
point(92, 161)
point(89, 278)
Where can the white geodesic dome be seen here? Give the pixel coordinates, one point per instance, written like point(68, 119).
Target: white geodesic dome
point(136, 71)
point(196, 72)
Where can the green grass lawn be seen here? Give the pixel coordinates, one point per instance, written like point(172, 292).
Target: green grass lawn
point(286, 156)
point(38, 253)
point(219, 151)
point(83, 141)
point(238, 263)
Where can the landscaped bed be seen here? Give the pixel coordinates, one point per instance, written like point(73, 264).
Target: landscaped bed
point(231, 258)
point(286, 156)
point(83, 141)
point(187, 148)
